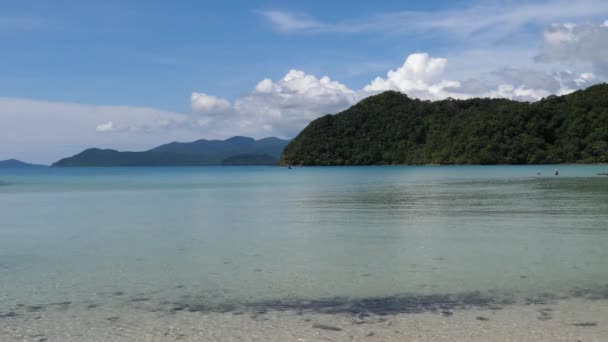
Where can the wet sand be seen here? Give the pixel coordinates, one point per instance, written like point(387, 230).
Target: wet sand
point(572, 320)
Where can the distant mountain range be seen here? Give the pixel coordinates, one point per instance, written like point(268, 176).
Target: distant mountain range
point(233, 151)
point(392, 128)
point(14, 163)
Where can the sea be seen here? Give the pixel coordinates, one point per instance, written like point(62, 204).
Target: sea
point(359, 241)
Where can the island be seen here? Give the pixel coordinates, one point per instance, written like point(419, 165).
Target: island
point(18, 164)
point(233, 151)
point(392, 128)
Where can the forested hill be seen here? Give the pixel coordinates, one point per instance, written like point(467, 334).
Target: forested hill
point(391, 128)
point(232, 151)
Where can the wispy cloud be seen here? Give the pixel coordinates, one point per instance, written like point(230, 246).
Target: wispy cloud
point(18, 23)
point(291, 22)
point(479, 19)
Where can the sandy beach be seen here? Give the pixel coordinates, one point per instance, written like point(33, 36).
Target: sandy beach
point(570, 320)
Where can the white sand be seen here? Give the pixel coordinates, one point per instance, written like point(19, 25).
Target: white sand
point(512, 323)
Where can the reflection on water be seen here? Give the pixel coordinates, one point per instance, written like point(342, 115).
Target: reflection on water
point(377, 239)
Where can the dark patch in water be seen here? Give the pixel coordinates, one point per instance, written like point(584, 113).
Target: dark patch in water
point(139, 299)
point(326, 327)
point(34, 308)
point(92, 306)
point(9, 314)
point(363, 307)
point(447, 313)
point(62, 305)
point(542, 299)
point(544, 314)
point(118, 293)
point(585, 324)
point(113, 318)
point(600, 292)
point(482, 318)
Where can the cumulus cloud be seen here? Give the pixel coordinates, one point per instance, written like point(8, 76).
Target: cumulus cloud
point(105, 127)
point(281, 107)
point(421, 76)
point(415, 76)
point(576, 43)
point(208, 104)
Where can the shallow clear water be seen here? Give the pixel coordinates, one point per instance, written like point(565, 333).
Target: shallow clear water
point(123, 236)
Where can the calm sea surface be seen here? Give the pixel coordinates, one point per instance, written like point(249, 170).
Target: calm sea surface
point(217, 235)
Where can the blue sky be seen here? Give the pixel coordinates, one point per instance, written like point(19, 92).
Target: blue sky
point(133, 74)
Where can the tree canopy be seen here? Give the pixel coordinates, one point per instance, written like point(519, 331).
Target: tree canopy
point(392, 128)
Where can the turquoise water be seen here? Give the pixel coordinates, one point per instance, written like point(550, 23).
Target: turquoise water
point(153, 236)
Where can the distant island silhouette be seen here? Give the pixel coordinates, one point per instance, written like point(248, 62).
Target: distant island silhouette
point(233, 151)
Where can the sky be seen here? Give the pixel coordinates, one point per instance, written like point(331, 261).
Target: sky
point(130, 74)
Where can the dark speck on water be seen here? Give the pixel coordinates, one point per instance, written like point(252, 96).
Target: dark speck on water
point(139, 299)
point(585, 324)
point(545, 314)
point(326, 327)
point(447, 313)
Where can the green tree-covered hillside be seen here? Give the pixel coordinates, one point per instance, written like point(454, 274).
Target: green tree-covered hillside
point(391, 128)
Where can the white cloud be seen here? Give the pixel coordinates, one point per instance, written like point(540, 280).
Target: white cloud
point(281, 107)
point(208, 104)
point(105, 127)
point(290, 22)
point(417, 74)
point(585, 77)
point(572, 43)
point(487, 19)
point(421, 77)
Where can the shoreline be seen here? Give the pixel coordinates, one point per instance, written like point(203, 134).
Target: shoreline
point(572, 319)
